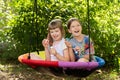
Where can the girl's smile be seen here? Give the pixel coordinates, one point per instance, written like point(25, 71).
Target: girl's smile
point(75, 28)
point(76, 31)
point(56, 34)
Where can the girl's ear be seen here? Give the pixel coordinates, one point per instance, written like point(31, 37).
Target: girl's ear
point(69, 31)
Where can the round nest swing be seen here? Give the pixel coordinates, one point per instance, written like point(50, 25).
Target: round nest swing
point(77, 69)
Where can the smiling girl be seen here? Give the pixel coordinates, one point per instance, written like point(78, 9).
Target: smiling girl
point(79, 41)
point(54, 45)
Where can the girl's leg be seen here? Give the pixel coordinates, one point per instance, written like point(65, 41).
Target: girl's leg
point(35, 57)
point(32, 56)
point(83, 60)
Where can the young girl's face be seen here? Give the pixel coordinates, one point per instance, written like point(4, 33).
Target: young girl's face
point(56, 34)
point(75, 28)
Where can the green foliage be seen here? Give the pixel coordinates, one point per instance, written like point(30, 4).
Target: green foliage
point(106, 26)
point(29, 25)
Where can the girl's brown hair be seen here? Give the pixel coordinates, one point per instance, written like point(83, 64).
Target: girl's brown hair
point(56, 23)
point(70, 21)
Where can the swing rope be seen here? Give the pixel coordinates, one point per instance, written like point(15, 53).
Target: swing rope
point(34, 23)
point(88, 15)
point(37, 30)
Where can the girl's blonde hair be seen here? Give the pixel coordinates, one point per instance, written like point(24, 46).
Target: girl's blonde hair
point(56, 23)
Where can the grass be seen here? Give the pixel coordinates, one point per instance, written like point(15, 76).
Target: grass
point(16, 71)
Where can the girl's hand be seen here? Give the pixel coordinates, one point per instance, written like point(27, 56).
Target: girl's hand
point(45, 43)
point(53, 51)
point(68, 44)
point(77, 48)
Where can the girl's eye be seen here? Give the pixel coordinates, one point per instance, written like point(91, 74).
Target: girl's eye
point(56, 31)
point(51, 31)
point(78, 25)
point(73, 26)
